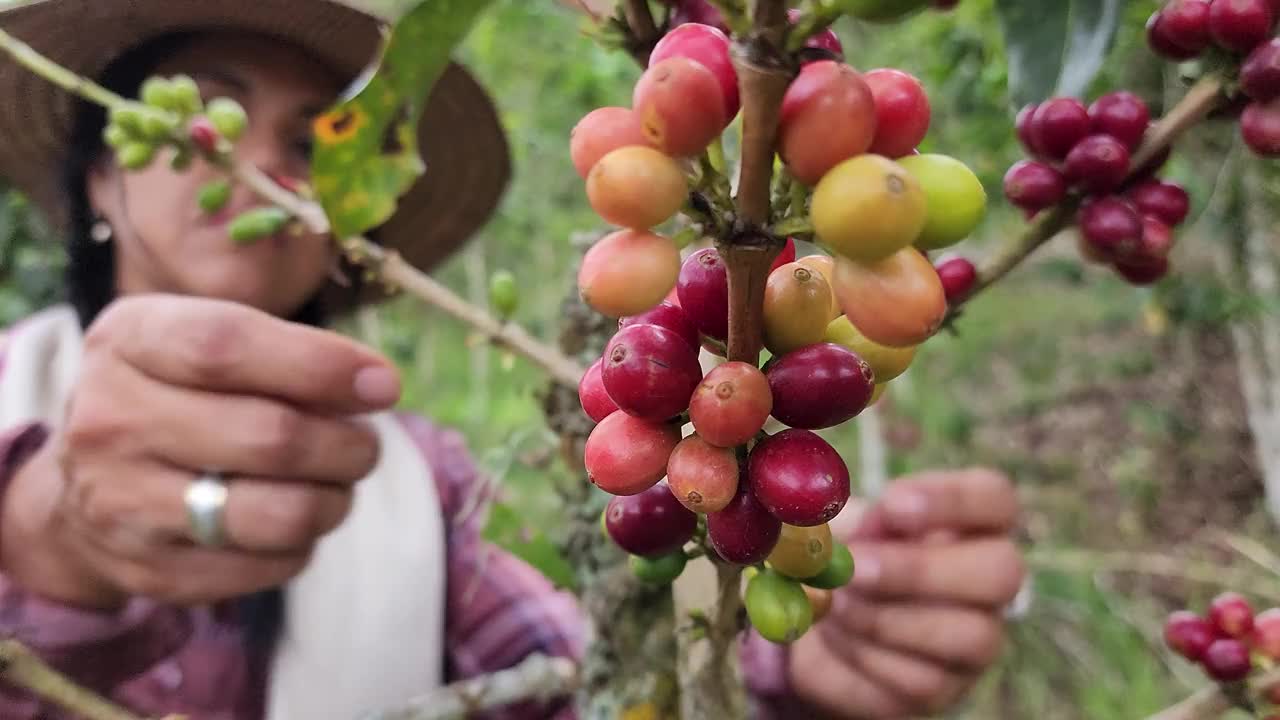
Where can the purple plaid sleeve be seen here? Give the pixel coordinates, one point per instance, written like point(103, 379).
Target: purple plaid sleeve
point(101, 650)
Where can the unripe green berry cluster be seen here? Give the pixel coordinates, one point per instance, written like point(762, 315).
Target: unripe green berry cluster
point(170, 111)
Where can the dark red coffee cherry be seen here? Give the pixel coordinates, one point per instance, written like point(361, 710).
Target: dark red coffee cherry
point(1122, 115)
point(1260, 73)
point(650, 372)
point(1112, 227)
point(799, 477)
point(1260, 128)
point(1034, 186)
point(1058, 125)
point(1097, 164)
point(1240, 25)
point(1188, 634)
point(1165, 200)
point(819, 386)
point(595, 400)
point(743, 532)
point(667, 315)
point(703, 289)
point(1186, 24)
point(958, 276)
point(650, 523)
point(1227, 659)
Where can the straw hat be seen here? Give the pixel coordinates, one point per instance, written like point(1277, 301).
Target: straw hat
point(461, 138)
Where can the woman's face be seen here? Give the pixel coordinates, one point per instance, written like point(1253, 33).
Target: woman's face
point(165, 243)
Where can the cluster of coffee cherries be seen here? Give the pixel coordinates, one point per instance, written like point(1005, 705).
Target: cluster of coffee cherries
point(750, 496)
point(1243, 31)
point(167, 106)
point(1228, 642)
point(685, 452)
point(170, 112)
point(1128, 215)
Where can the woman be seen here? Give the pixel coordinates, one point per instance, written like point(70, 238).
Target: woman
point(208, 504)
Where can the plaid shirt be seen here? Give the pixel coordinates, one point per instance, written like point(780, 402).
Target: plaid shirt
point(158, 659)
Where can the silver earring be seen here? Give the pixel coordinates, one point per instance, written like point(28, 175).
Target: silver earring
point(101, 231)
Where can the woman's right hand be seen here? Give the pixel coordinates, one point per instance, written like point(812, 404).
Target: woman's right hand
point(171, 386)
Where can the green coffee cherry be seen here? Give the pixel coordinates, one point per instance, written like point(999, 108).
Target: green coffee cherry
point(228, 118)
point(129, 118)
point(158, 126)
point(503, 294)
point(186, 95)
point(837, 573)
point(777, 607)
point(158, 93)
point(135, 155)
point(114, 136)
point(213, 195)
point(256, 224)
point(662, 570)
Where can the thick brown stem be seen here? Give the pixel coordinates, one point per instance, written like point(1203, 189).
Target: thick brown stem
point(763, 78)
point(640, 18)
point(712, 689)
point(1199, 101)
point(748, 270)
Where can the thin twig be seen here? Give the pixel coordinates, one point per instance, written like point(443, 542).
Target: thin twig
point(22, 668)
point(559, 366)
point(1212, 702)
point(395, 271)
point(1199, 101)
point(538, 677)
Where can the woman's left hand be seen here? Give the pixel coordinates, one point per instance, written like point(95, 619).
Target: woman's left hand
point(922, 620)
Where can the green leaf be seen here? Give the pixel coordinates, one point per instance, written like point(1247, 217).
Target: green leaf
point(1056, 48)
point(509, 531)
point(366, 150)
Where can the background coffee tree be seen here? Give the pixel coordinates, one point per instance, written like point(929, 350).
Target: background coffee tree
point(1134, 419)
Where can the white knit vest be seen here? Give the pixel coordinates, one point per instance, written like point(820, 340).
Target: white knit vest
point(364, 622)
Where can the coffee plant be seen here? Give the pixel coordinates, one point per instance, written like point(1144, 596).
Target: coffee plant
point(752, 134)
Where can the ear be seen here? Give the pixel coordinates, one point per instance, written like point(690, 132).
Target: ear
point(102, 185)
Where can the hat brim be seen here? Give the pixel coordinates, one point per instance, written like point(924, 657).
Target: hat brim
point(461, 138)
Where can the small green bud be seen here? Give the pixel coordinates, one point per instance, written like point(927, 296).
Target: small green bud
point(662, 570)
point(256, 224)
point(777, 607)
point(129, 118)
point(837, 573)
point(136, 155)
point(186, 95)
point(114, 136)
point(158, 93)
point(214, 195)
point(158, 126)
point(503, 293)
point(227, 117)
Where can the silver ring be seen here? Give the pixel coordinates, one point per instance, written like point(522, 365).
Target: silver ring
point(206, 500)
